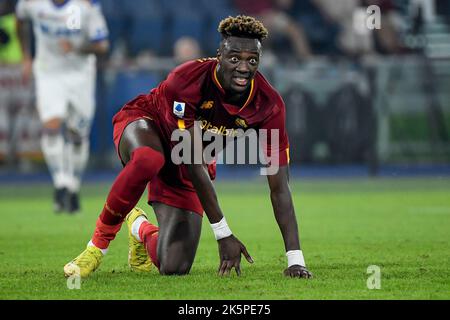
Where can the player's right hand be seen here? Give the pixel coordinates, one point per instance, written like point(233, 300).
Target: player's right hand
point(297, 271)
point(230, 249)
point(66, 46)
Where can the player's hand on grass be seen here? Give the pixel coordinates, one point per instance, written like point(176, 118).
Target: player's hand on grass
point(230, 250)
point(297, 271)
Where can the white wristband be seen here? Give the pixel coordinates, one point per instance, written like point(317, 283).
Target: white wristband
point(221, 229)
point(295, 257)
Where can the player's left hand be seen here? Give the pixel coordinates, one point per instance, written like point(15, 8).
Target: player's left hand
point(297, 271)
point(66, 46)
point(230, 250)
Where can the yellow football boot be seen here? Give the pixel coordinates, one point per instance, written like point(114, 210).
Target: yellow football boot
point(86, 263)
point(138, 259)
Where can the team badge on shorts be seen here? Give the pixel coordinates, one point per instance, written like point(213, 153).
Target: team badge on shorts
point(178, 109)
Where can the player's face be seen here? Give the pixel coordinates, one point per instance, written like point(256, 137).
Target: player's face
point(238, 62)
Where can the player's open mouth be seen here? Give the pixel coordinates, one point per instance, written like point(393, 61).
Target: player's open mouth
point(242, 82)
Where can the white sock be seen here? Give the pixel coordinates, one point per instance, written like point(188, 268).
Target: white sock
point(53, 150)
point(78, 155)
point(91, 244)
point(135, 226)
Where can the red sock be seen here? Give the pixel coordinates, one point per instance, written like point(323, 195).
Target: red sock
point(104, 233)
point(149, 234)
point(125, 192)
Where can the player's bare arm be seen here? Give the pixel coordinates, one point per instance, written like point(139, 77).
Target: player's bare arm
point(98, 47)
point(230, 248)
point(283, 208)
point(23, 31)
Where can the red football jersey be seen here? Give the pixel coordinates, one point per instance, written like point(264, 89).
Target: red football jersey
point(192, 92)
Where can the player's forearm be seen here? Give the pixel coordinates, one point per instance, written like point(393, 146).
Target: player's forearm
point(23, 32)
point(285, 216)
point(205, 191)
point(97, 48)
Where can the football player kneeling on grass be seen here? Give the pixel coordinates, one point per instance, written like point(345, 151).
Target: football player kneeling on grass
point(224, 92)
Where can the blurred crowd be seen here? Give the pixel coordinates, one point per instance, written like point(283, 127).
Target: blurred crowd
point(299, 29)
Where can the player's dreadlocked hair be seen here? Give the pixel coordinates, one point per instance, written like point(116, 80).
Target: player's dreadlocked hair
point(243, 27)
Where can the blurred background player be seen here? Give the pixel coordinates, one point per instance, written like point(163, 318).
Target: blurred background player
point(69, 34)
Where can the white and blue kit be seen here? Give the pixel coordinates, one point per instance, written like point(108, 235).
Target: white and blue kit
point(65, 83)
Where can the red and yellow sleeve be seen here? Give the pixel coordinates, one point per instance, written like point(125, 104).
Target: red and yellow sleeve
point(182, 96)
point(276, 129)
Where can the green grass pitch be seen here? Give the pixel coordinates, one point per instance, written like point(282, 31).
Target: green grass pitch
point(399, 225)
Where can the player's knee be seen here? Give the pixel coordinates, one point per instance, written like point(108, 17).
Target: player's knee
point(74, 137)
point(50, 133)
point(52, 125)
point(52, 128)
point(170, 269)
point(147, 161)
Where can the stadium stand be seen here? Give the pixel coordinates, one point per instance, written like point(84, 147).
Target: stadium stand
point(143, 33)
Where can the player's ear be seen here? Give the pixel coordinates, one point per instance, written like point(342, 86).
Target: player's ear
point(220, 50)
